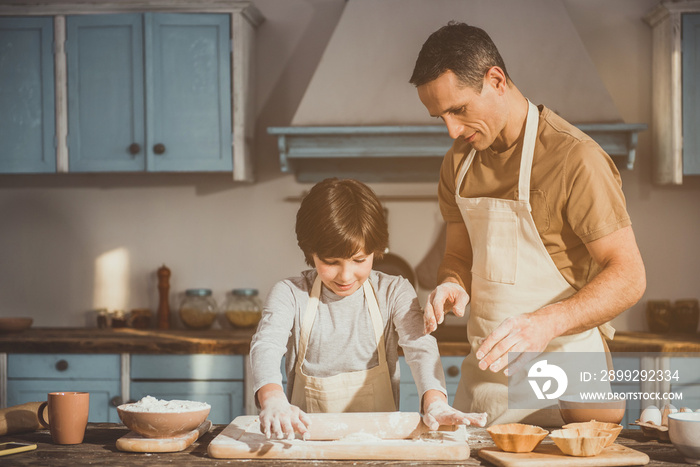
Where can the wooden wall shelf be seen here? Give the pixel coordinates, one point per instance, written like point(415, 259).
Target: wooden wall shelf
point(403, 153)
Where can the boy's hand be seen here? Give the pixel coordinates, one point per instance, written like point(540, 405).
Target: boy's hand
point(440, 413)
point(281, 419)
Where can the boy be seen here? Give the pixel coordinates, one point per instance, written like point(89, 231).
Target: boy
point(340, 324)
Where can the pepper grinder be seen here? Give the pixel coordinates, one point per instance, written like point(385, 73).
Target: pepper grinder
point(163, 290)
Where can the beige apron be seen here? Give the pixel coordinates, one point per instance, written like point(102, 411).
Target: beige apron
point(512, 274)
point(357, 391)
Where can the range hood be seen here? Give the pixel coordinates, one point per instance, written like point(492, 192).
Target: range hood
point(403, 153)
point(359, 116)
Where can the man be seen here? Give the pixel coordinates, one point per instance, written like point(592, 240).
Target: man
point(538, 237)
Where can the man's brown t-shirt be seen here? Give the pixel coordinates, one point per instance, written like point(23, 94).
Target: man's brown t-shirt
point(575, 191)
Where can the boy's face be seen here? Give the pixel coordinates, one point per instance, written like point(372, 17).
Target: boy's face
point(343, 276)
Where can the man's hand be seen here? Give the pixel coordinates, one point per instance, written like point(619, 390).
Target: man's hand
point(522, 333)
point(440, 413)
point(448, 296)
point(278, 417)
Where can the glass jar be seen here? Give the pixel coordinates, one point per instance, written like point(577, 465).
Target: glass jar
point(658, 316)
point(198, 309)
point(118, 319)
point(140, 318)
point(104, 319)
point(684, 316)
point(243, 308)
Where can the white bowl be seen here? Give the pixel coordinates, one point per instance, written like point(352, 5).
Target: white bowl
point(684, 431)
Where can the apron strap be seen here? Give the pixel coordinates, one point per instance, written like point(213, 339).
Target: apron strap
point(463, 171)
point(377, 322)
point(527, 155)
point(308, 319)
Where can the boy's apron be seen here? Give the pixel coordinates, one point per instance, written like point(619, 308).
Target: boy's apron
point(356, 391)
point(512, 274)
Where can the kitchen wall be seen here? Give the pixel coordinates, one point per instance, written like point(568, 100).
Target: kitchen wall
point(71, 243)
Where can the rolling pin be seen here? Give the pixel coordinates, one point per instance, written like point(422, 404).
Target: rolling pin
point(385, 425)
point(19, 418)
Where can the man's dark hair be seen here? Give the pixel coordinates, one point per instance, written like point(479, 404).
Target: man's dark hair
point(465, 50)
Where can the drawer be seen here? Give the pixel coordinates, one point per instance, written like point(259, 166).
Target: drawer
point(198, 367)
point(102, 392)
point(64, 366)
point(687, 368)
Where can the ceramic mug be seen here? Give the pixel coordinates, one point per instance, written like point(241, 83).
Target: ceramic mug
point(68, 416)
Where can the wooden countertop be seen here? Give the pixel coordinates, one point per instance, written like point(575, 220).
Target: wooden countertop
point(451, 341)
point(126, 340)
point(154, 341)
point(647, 342)
point(98, 448)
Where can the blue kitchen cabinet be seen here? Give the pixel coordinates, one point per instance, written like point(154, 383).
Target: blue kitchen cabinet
point(215, 379)
point(410, 400)
point(691, 93)
point(106, 102)
point(149, 92)
point(27, 106)
point(688, 383)
point(189, 92)
point(675, 96)
point(30, 377)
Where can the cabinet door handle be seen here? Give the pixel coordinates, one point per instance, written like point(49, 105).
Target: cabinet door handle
point(61, 365)
point(159, 148)
point(134, 148)
point(116, 401)
point(453, 371)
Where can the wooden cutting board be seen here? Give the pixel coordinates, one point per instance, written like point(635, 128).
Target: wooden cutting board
point(550, 455)
point(133, 442)
point(242, 439)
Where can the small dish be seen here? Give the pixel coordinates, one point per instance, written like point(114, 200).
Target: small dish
point(517, 437)
point(684, 432)
point(580, 442)
point(15, 324)
point(613, 428)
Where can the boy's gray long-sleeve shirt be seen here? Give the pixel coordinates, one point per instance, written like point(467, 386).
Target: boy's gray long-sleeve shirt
point(342, 338)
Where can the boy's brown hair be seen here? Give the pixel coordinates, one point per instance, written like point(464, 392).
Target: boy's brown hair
point(339, 218)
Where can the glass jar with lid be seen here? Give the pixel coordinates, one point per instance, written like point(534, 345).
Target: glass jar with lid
point(198, 310)
point(243, 308)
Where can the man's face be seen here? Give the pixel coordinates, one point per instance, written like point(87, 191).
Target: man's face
point(478, 117)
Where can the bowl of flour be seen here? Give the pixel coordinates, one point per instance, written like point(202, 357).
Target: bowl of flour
point(154, 418)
